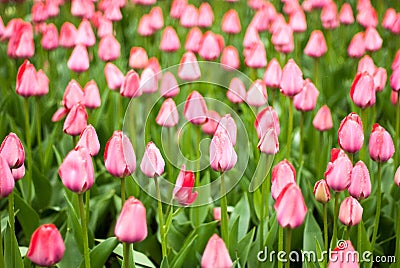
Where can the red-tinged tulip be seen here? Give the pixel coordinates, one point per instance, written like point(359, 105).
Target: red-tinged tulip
point(217, 213)
point(216, 254)
point(195, 110)
point(189, 17)
point(39, 12)
point(397, 177)
point(152, 164)
point(338, 172)
point(26, 84)
point(119, 156)
point(231, 22)
point(346, 14)
point(381, 147)
point(76, 171)
point(360, 185)
point(389, 18)
point(73, 94)
point(323, 119)
point(6, 178)
point(282, 38)
point(350, 212)
point(366, 64)
point(297, 21)
point(53, 9)
point(189, 69)
point(362, 90)
point(316, 46)
point(148, 81)
point(380, 77)
point(114, 77)
point(230, 58)
point(209, 47)
point(394, 97)
point(50, 37)
point(273, 74)
point(177, 8)
point(395, 80)
point(266, 119)
point(269, 143)
point(130, 87)
point(367, 17)
point(321, 192)
point(82, 8)
point(18, 173)
point(170, 40)
point(396, 61)
point(168, 115)
point(89, 140)
point(85, 34)
point(206, 15)
point(156, 18)
point(59, 114)
point(138, 58)
point(79, 59)
point(227, 124)
point(292, 79)
point(21, 43)
point(113, 12)
point(47, 246)
point(222, 154)
point(109, 48)
point(68, 34)
point(256, 57)
point(251, 37)
point(91, 97)
point(306, 99)
point(350, 133)
point(131, 226)
point(212, 123)
point(169, 87)
point(290, 207)
point(12, 151)
point(183, 191)
point(76, 120)
point(356, 47)
point(105, 27)
point(42, 83)
point(329, 16)
point(257, 94)
point(237, 91)
point(193, 39)
point(373, 41)
point(2, 27)
point(282, 174)
point(344, 256)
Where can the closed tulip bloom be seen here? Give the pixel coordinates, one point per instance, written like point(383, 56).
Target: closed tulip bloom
point(209, 48)
point(216, 254)
point(366, 64)
point(42, 86)
point(76, 171)
point(236, 92)
point(256, 57)
point(131, 226)
point(168, 115)
point(79, 59)
point(85, 35)
point(189, 17)
point(323, 119)
point(230, 58)
point(47, 246)
point(231, 22)
point(360, 185)
point(193, 39)
point(18, 173)
point(329, 16)
point(12, 151)
point(292, 79)
point(290, 207)
point(306, 99)
point(50, 37)
point(356, 47)
point(367, 17)
point(152, 164)
point(59, 114)
point(148, 81)
point(397, 177)
point(177, 8)
point(76, 120)
point(82, 8)
point(91, 97)
point(257, 94)
point(206, 15)
point(212, 123)
point(269, 143)
point(373, 41)
point(251, 36)
point(89, 140)
point(217, 213)
point(273, 74)
point(157, 19)
point(119, 156)
point(282, 174)
point(105, 27)
point(189, 69)
point(170, 40)
point(114, 77)
point(394, 97)
point(362, 90)
point(183, 191)
point(282, 38)
point(113, 12)
point(381, 147)
point(316, 46)
point(350, 212)
point(39, 12)
point(130, 87)
point(395, 80)
point(346, 14)
point(321, 192)
point(109, 48)
point(138, 58)
point(227, 124)
point(154, 65)
point(222, 154)
point(338, 172)
point(26, 84)
point(21, 44)
point(73, 94)
point(389, 18)
point(6, 178)
point(68, 34)
point(380, 77)
point(297, 21)
point(169, 87)
point(266, 119)
point(351, 134)
point(195, 110)
point(344, 249)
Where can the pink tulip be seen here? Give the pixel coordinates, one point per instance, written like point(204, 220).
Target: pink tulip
point(26, 84)
point(68, 34)
point(316, 46)
point(269, 143)
point(230, 58)
point(18, 173)
point(266, 119)
point(73, 94)
point(231, 22)
point(91, 97)
point(373, 41)
point(273, 74)
point(105, 27)
point(109, 48)
point(79, 59)
point(177, 8)
point(329, 16)
point(131, 226)
point(346, 14)
point(144, 2)
point(394, 97)
point(183, 191)
point(119, 156)
point(113, 12)
point(356, 47)
point(367, 17)
point(381, 147)
point(217, 213)
point(39, 12)
point(168, 115)
point(389, 18)
point(6, 178)
point(216, 254)
point(292, 79)
point(12, 151)
point(170, 40)
point(323, 119)
point(360, 186)
point(282, 174)
point(189, 17)
point(130, 87)
point(397, 177)
point(47, 246)
point(366, 64)
point(157, 19)
point(290, 207)
point(209, 47)
point(306, 99)
point(297, 21)
point(236, 92)
point(189, 69)
point(362, 90)
point(321, 192)
point(138, 58)
point(212, 123)
point(152, 164)
point(345, 248)
point(206, 15)
point(82, 8)
point(222, 154)
point(42, 83)
point(2, 27)
point(50, 37)
point(338, 171)
point(21, 44)
point(380, 77)
point(169, 87)
point(395, 80)
point(350, 212)
point(76, 120)
point(251, 36)
point(85, 35)
point(114, 77)
point(282, 38)
point(350, 133)
point(228, 125)
point(257, 94)
point(264, 17)
point(148, 81)
point(59, 114)
point(256, 56)
point(193, 39)
point(195, 110)
point(89, 140)
point(76, 171)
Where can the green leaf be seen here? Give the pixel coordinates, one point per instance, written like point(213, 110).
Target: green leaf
point(27, 216)
point(139, 257)
point(12, 255)
point(312, 232)
point(241, 209)
point(257, 199)
point(243, 247)
point(233, 236)
point(100, 253)
point(72, 256)
point(74, 222)
point(164, 263)
point(185, 250)
point(43, 190)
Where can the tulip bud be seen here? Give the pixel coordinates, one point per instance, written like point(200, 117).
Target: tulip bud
point(227, 124)
point(306, 99)
point(76, 171)
point(209, 48)
point(351, 134)
point(236, 92)
point(195, 110)
point(76, 120)
point(157, 20)
point(257, 94)
point(47, 246)
point(169, 87)
point(193, 40)
point(6, 178)
point(269, 143)
point(177, 8)
point(12, 151)
point(168, 115)
point(373, 41)
point(212, 123)
point(148, 81)
point(89, 140)
point(114, 77)
point(329, 16)
point(338, 172)
point(381, 147)
point(367, 17)
point(79, 59)
point(251, 37)
point(152, 164)
point(282, 38)
point(217, 213)
point(68, 34)
point(323, 119)
point(91, 97)
point(292, 79)
point(50, 37)
point(73, 95)
point(170, 40)
point(138, 58)
point(297, 20)
point(231, 22)
point(144, 28)
point(366, 64)
point(395, 80)
point(26, 83)
point(206, 15)
point(363, 91)
point(85, 35)
point(397, 177)
point(105, 27)
point(316, 46)
point(266, 119)
point(350, 212)
point(222, 154)
point(356, 47)
point(360, 185)
point(282, 174)
point(321, 192)
point(109, 48)
point(130, 87)
point(346, 14)
point(216, 254)
point(380, 77)
point(183, 191)
point(131, 226)
point(189, 69)
point(230, 58)
point(273, 74)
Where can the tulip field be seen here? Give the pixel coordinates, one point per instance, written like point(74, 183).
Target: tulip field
point(189, 133)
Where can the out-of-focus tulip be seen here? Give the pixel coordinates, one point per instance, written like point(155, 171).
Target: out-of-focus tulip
point(292, 79)
point(189, 69)
point(195, 110)
point(350, 212)
point(366, 64)
point(338, 171)
point(230, 58)
point(131, 226)
point(18, 173)
point(306, 99)
point(12, 151)
point(113, 12)
point(395, 80)
point(273, 74)
point(6, 178)
point(251, 36)
point(148, 81)
point(212, 123)
point(360, 185)
point(91, 97)
point(82, 8)
point(130, 87)
point(351, 134)
point(47, 246)
point(89, 140)
point(168, 115)
point(138, 58)
point(290, 207)
point(59, 114)
point(170, 40)
point(394, 97)
point(356, 47)
point(266, 119)
point(73, 94)
point(222, 154)
point(206, 15)
point(389, 18)
point(316, 46)
point(397, 177)
point(217, 213)
point(373, 41)
point(144, 27)
point(323, 119)
point(183, 191)
point(345, 248)
point(79, 59)
point(68, 34)
point(321, 192)
point(85, 35)
point(144, 2)
point(76, 171)
point(269, 143)
point(157, 19)
point(169, 87)
point(105, 27)
point(152, 164)
point(209, 48)
point(76, 120)
point(346, 14)
point(114, 77)
point(367, 17)
point(50, 37)
point(297, 21)
point(119, 156)
point(39, 12)
point(381, 147)
point(380, 77)
point(189, 17)
point(256, 56)
point(362, 90)
point(21, 44)
point(257, 94)
point(282, 38)
point(193, 39)
point(236, 92)
point(26, 83)
point(216, 254)
point(109, 48)
point(329, 16)
point(231, 22)
point(282, 174)
point(177, 8)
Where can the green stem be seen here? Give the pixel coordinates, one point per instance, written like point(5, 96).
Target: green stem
point(280, 244)
point(11, 219)
point(265, 192)
point(364, 119)
point(398, 233)
point(198, 156)
point(1, 249)
point(224, 212)
point(378, 206)
point(316, 66)
point(396, 139)
point(301, 138)
point(39, 132)
point(359, 237)
point(127, 249)
point(160, 219)
point(326, 245)
point(288, 244)
point(290, 129)
point(84, 232)
point(123, 197)
point(120, 112)
point(28, 149)
point(335, 218)
point(87, 205)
